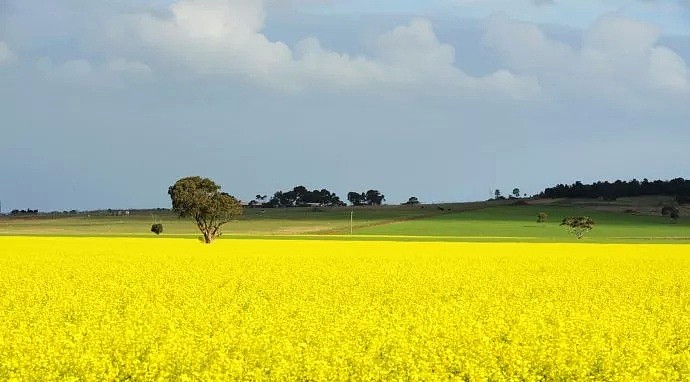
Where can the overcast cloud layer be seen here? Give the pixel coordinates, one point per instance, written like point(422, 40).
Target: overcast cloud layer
point(105, 104)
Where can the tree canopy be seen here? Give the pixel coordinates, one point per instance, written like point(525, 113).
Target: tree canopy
point(356, 199)
point(374, 197)
point(371, 198)
point(578, 225)
point(202, 200)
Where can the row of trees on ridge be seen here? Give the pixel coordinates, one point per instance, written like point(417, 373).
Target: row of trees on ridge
point(678, 187)
point(300, 196)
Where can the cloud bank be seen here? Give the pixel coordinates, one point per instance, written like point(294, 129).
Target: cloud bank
point(224, 37)
point(618, 57)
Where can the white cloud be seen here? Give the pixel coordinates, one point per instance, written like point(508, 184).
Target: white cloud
point(7, 57)
point(619, 36)
point(619, 57)
point(525, 46)
point(224, 37)
point(668, 70)
point(415, 46)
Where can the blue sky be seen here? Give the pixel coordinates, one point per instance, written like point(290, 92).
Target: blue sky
point(104, 104)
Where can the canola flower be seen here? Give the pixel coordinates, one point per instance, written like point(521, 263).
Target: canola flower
point(98, 309)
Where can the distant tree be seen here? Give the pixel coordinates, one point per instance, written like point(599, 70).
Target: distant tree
point(300, 194)
point(578, 225)
point(672, 212)
point(201, 199)
point(374, 197)
point(355, 198)
point(412, 201)
point(497, 194)
point(157, 228)
point(542, 217)
point(516, 192)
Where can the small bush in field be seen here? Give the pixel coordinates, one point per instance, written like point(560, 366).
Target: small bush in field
point(157, 228)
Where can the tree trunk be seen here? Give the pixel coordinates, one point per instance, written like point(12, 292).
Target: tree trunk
point(208, 236)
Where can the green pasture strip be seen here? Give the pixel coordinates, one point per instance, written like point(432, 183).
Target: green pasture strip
point(520, 221)
point(272, 221)
point(394, 238)
point(255, 221)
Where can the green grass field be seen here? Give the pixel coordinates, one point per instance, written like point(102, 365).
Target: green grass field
point(482, 221)
point(511, 223)
point(281, 221)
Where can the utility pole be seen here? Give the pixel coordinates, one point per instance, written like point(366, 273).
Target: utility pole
point(351, 219)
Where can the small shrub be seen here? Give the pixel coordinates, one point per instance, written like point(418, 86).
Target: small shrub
point(542, 217)
point(675, 215)
point(157, 228)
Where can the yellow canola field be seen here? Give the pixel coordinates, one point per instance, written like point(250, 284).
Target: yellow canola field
point(97, 309)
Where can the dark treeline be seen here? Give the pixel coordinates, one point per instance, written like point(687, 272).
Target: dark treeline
point(679, 187)
point(26, 212)
point(299, 196)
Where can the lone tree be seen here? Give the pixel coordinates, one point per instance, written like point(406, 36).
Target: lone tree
point(201, 199)
point(516, 192)
point(578, 225)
